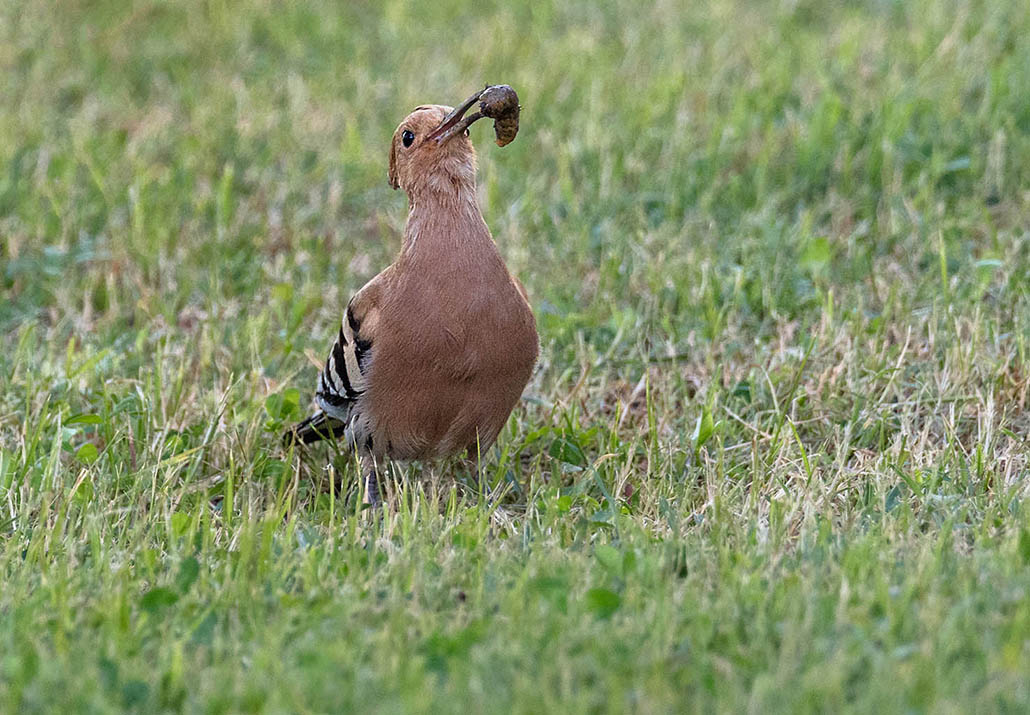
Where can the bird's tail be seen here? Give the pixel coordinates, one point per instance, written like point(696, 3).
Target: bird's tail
point(317, 427)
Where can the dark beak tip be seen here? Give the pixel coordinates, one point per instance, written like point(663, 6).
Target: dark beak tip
point(444, 130)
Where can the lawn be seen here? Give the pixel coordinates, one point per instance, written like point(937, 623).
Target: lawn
point(775, 453)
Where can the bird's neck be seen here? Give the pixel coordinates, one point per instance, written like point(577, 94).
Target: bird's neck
point(445, 224)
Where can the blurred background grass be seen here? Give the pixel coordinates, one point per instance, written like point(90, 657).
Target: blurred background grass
point(780, 261)
point(684, 162)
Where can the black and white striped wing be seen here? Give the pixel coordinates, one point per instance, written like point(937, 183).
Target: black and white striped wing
point(343, 378)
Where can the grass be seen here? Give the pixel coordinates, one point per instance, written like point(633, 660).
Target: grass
point(774, 457)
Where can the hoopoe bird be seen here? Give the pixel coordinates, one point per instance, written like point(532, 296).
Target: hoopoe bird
point(433, 353)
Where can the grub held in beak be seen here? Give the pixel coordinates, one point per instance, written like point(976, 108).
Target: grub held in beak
point(498, 102)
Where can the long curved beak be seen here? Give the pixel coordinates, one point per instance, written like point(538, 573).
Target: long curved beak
point(456, 122)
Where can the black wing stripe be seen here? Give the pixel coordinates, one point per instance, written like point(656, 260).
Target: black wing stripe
point(342, 379)
point(354, 323)
point(334, 400)
point(358, 349)
point(361, 348)
point(339, 361)
point(326, 381)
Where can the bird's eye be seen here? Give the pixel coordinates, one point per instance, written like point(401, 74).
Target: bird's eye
point(407, 137)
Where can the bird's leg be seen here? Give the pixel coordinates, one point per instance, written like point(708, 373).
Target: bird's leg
point(370, 479)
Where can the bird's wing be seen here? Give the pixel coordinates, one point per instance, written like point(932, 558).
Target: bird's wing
point(344, 377)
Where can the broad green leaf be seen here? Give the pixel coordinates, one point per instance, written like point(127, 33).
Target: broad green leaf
point(87, 453)
point(189, 569)
point(610, 558)
point(157, 599)
point(565, 450)
point(1024, 545)
point(84, 419)
point(603, 602)
point(180, 522)
point(816, 255)
point(703, 429)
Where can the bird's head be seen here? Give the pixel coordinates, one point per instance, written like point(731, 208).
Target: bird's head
point(431, 149)
point(429, 153)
